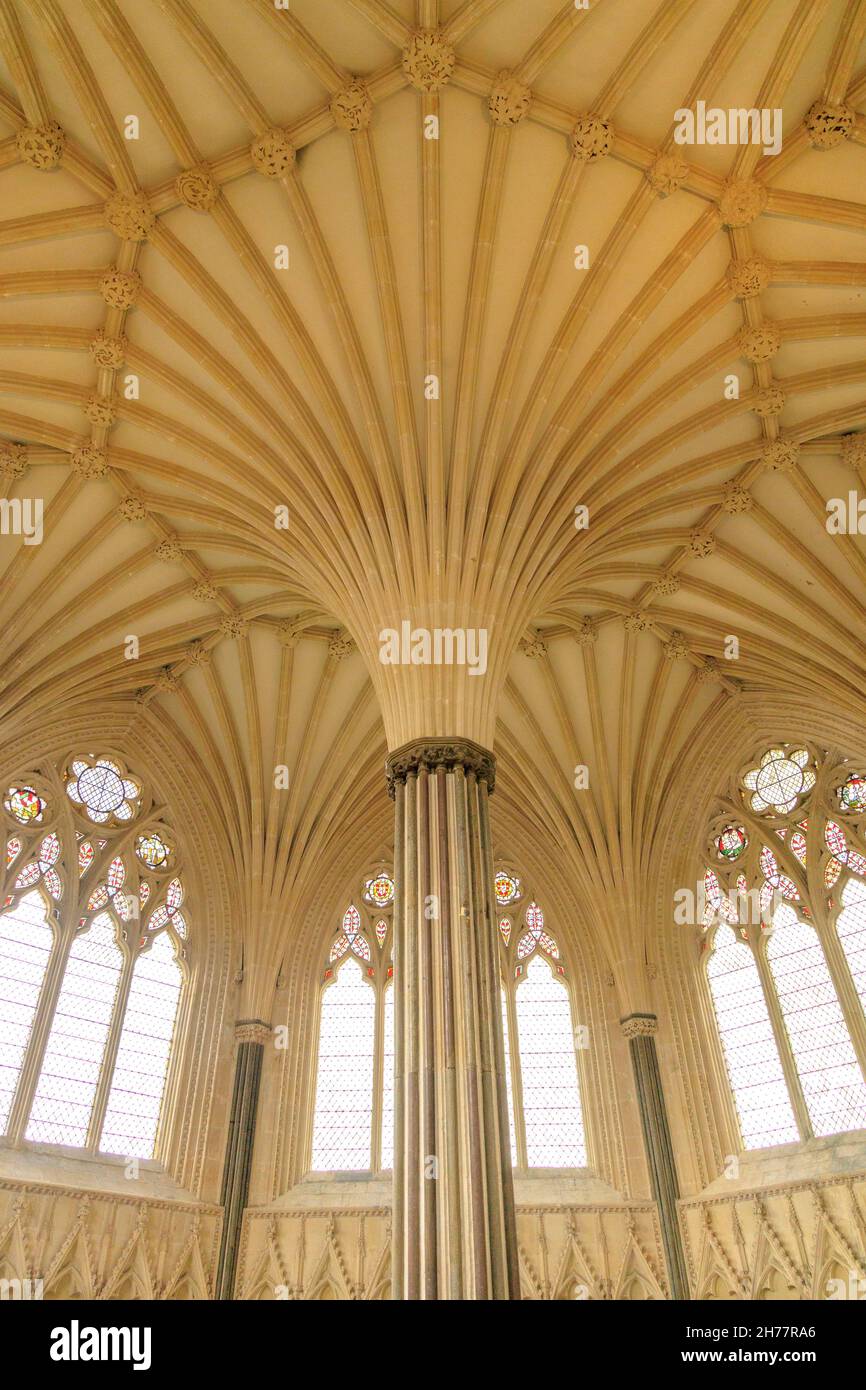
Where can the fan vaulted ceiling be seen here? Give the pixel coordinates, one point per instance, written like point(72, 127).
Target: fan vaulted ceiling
point(242, 309)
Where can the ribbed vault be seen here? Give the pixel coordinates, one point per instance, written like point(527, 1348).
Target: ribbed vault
point(430, 388)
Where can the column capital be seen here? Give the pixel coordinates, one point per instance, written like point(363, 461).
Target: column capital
point(432, 753)
point(252, 1030)
point(639, 1026)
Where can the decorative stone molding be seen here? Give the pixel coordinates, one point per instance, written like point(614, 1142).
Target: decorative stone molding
point(168, 550)
point(509, 100)
point(273, 153)
point(198, 654)
point(666, 174)
point(205, 592)
point(89, 461)
point(130, 216)
point(107, 351)
point(167, 682)
point(41, 146)
point(741, 201)
point(829, 124)
point(781, 455)
point(736, 498)
point(586, 634)
point(534, 647)
point(854, 450)
point(132, 508)
point(13, 461)
point(340, 646)
point(639, 1026)
point(702, 543)
point(253, 1030)
point(636, 622)
point(288, 635)
point(592, 137)
point(100, 411)
point(667, 584)
point(433, 753)
point(197, 188)
point(747, 279)
point(233, 626)
point(676, 646)
point(709, 672)
point(759, 344)
point(769, 401)
point(428, 60)
point(120, 288)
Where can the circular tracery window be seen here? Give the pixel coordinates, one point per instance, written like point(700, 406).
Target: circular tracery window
point(102, 790)
point(152, 850)
point(24, 804)
point(379, 890)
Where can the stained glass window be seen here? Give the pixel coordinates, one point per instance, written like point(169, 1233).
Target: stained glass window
point(344, 1085)
point(548, 1071)
point(116, 1001)
point(507, 888)
point(379, 890)
point(545, 1124)
point(852, 793)
point(803, 897)
point(751, 1054)
point(25, 805)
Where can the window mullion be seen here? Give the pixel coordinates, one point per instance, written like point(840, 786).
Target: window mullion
point(109, 1056)
point(783, 1042)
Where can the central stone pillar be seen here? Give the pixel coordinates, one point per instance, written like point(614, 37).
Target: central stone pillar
point(454, 1231)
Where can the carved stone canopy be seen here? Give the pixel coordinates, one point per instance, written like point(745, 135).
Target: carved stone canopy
point(433, 753)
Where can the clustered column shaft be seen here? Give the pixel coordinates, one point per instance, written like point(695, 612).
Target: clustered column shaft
point(640, 1029)
point(454, 1232)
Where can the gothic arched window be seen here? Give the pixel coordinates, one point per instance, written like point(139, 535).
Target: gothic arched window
point(92, 940)
point(540, 1035)
point(783, 906)
point(353, 1113)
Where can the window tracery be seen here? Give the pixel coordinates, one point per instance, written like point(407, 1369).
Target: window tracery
point(353, 1109)
point(353, 1125)
point(783, 926)
point(92, 958)
point(540, 1035)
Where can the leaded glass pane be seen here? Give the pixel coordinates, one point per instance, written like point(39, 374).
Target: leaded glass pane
point(511, 1130)
point(749, 1046)
point(25, 946)
point(548, 1070)
point(344, 1088)
point(76, 1044)
point(851, 926)
point(140, 1072)
point(388, 1078)
point(826, 1063)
